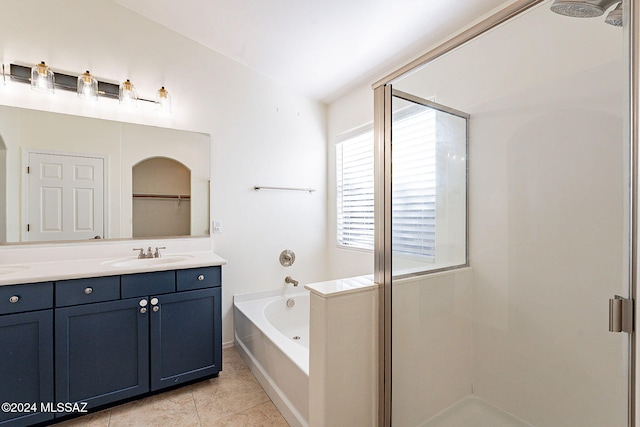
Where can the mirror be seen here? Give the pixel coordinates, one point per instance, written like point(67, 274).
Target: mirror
point(67, 177)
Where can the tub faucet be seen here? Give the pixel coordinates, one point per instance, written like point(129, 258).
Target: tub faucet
point(289, 279)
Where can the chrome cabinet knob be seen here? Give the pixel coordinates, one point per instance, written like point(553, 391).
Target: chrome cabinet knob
point(154, 301)
point(201, 277)
point(143, 310)
point(14, 299)
point(156, 308)
point(88, 291)
point(143, 303)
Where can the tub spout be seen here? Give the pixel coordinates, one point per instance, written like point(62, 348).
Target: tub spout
point(289, 279)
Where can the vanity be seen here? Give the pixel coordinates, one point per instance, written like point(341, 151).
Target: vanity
point(81, 334)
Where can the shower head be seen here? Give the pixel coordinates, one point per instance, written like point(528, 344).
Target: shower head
point(615, 16)
point(582, 8)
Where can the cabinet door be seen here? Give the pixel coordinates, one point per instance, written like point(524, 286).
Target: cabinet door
point(26, 364)
point(102, 352)
point(186, 340)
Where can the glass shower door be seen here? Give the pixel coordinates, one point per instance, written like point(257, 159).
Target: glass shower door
point(511, 329)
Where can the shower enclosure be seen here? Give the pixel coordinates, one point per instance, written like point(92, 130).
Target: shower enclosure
point(504, 180)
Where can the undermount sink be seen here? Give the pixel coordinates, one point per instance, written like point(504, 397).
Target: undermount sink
point(141, 262)
point(8, 269)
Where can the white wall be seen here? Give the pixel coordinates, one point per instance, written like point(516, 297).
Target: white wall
point(432, 345)
point(261, 132)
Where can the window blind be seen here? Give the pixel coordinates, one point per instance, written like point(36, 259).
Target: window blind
point(354, 180)
point(413, 185)
point(413, 179)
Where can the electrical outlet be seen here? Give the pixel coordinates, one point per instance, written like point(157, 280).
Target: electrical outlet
point(217, 226)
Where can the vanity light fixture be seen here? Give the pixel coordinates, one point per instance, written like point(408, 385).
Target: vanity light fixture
point(42, 78)
point(163, 100)
point(87, 86)
point(127, 93)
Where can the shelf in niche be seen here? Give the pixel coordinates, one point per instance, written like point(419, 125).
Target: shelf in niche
point(161, 196)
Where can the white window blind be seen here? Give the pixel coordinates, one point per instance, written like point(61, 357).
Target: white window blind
point(413, 179)
point(354, 179)
point(413, 185)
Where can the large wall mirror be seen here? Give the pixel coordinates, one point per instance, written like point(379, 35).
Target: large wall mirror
point(66, 177)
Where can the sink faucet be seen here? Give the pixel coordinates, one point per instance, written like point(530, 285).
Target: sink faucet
point(149, 254)
point(289, 279)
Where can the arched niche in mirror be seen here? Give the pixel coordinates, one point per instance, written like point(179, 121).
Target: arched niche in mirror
point(161, 198)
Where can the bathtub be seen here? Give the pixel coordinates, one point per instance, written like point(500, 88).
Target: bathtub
point(272, 336)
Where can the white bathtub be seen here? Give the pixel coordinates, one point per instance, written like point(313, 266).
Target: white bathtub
point(273, 339)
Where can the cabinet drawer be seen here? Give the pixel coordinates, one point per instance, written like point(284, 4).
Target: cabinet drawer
point(84, 291)
point(198, 278)
point(28, 297)
point(143, 284)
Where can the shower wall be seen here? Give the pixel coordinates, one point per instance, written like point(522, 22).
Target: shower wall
point(547, 211)
point(432, 363)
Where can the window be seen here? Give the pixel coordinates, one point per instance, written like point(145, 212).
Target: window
point(414, 182)
point(354, 181)
point(414, 185)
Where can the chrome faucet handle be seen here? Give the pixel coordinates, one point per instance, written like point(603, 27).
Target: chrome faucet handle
point(149, 253)
point(157, 253)
point(141, 254)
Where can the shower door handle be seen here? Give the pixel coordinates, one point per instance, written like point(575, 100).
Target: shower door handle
point(621, 314)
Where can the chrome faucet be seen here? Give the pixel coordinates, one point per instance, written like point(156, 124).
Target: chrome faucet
point(289, 279)
point(149, 254)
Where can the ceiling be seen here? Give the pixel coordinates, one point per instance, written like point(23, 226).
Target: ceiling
point(318, 48)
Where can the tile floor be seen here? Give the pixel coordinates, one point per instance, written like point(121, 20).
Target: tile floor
point(235, 398)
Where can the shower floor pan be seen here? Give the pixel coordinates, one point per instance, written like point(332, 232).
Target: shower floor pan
point(473, 411)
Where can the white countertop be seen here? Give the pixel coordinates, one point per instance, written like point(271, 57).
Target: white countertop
point(338, 287)
point(44, 271)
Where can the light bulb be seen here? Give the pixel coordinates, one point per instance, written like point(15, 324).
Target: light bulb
point(42, 78)
point(128, 94)
point(87, 86)
point(163, 100)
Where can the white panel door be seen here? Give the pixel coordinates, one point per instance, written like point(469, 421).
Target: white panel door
point(65, 197)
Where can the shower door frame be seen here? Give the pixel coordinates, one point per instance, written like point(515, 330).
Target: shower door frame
point(383, 93)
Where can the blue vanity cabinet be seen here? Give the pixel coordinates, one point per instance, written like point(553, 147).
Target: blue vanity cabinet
point(186, 341)
point(102, 345)
point(120, 337)
point(102, 352)
point(26, 352)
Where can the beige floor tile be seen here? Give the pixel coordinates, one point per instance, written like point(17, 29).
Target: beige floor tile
point(171, 409)
point(99, 419)
point(263, 415)
point(231, 361)
point(226, 395)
